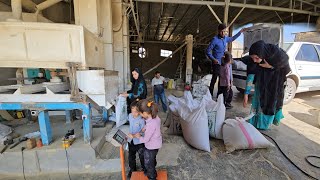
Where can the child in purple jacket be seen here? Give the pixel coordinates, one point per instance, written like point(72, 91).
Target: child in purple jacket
point(152, 138)
point(225, 81)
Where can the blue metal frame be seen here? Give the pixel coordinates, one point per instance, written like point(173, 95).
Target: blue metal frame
point(44, 120)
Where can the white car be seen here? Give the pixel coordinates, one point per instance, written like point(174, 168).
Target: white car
point(304, 60)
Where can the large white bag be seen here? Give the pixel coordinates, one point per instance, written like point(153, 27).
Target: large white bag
point(194, 122)
point(239, 134)
point(121, 111)
point(216, 114)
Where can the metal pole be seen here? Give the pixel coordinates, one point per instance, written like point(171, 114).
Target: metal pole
point(123, 170)
point(165, 59)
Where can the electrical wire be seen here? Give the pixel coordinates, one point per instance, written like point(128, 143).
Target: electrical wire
point(67, 162)
point(305, 173)
point(24, 176)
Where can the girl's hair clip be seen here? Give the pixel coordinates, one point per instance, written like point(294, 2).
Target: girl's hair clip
point(149, 104)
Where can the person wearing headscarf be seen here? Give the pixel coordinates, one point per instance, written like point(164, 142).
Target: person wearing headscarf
point(138, 89)
point(268, 75)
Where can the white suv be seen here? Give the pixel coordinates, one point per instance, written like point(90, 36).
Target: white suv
point(304, 60)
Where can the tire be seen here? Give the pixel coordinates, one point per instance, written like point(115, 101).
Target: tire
point(289, 91)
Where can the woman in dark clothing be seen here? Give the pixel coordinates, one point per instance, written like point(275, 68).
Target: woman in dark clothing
point(269, 79)
point(138, 89)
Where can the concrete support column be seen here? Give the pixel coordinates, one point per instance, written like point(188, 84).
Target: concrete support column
point(119, 21)
point(189, 71)
point(16, 6)
point(86, 14)
point(105, 18)
point(126, 52)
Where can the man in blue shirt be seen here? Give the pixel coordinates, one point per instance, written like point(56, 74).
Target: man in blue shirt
point(216, 49)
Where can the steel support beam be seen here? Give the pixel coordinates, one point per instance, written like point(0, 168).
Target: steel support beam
point(214, 14)
point(232, 4)
point(135, 18)
point(235, 18)
point(279, 17)
point(179, 22)
point(174, 12)
point(165, 59)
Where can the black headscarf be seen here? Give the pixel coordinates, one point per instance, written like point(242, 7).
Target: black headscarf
point(271, 81)
point(135, 84)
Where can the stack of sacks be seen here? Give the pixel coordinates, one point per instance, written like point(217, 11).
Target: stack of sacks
point(194, 120)
point(239, 134)
point(216, 110)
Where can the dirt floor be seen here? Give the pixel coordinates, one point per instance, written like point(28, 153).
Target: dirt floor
point(298, 136)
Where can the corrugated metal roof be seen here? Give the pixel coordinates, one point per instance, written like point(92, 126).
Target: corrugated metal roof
point(171, 22)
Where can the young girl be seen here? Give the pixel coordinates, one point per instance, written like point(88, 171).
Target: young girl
point(225, 81)
point(152, 138)
point(135, 146)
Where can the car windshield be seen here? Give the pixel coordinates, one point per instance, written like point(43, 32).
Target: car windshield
point(286, 46)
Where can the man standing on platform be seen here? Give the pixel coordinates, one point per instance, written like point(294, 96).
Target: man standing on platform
point(216, 49)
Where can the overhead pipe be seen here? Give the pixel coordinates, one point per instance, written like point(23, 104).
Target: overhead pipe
point(16, 9)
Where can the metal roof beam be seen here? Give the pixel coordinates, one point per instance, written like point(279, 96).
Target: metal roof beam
point(178, 22)
point(214, 14)
point(165, 31)
point(191, 20)
point(232, 4)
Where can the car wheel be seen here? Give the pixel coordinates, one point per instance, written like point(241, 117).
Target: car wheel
point(289, 91)
point(240, 90)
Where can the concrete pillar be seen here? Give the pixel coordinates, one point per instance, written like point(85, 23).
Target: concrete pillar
point(118, 20)
point(86, 14)
point(189, 71)
point(105, 18)
point(16, 9)
point(126, 52)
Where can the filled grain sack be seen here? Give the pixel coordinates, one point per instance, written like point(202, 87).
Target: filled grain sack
point(194, 121)
point(216, 114)
point(239, 134)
